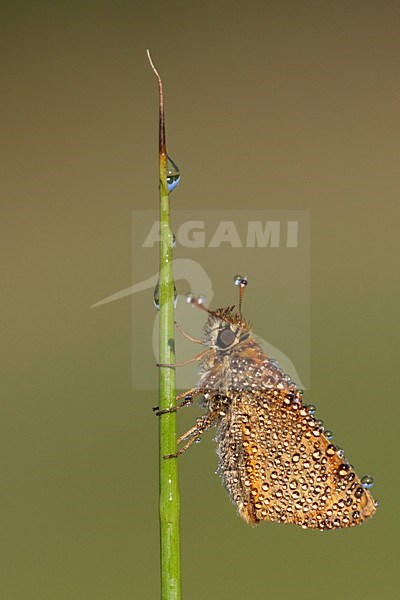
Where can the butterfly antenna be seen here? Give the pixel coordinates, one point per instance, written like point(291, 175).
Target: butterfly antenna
point(198, 302)
point(240, 281)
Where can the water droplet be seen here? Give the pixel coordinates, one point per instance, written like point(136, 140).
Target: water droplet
point(173, 174)
point(328, 434)
point(240, 280)
point(195, 300)
point(367, 482)
point(359, 492)
point(331, 450)
point(340, 452)
point(156, 296)
point(321, 424)
point(343, 469)
point(311, 409)
point(190, 298)
point(316, 455)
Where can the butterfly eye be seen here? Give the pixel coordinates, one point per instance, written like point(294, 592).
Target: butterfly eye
point(225, 338)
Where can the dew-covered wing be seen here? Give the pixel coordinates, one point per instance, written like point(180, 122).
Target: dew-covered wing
point(277, 465)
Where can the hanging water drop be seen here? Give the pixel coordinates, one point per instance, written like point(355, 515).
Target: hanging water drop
point(201, 299)
point(173, 174)
point(311, 409)
point(156, 296)
point(328, 434)
point(367, 482)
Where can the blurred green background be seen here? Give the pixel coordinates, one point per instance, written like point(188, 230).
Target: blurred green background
point(270, 105)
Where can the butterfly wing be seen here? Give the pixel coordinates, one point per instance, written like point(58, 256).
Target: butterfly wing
point(277, 465)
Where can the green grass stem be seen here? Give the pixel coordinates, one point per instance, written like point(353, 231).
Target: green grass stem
point(169, 505)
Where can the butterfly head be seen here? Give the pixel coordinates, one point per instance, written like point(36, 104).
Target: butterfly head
point(225, 328)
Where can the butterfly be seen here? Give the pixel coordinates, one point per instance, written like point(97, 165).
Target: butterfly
point(275, 460)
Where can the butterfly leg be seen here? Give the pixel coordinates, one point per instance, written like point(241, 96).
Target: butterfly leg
point(193, 434)
point(179, 328)
point(185, 447)
point(187, 401)
point(186, 362)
